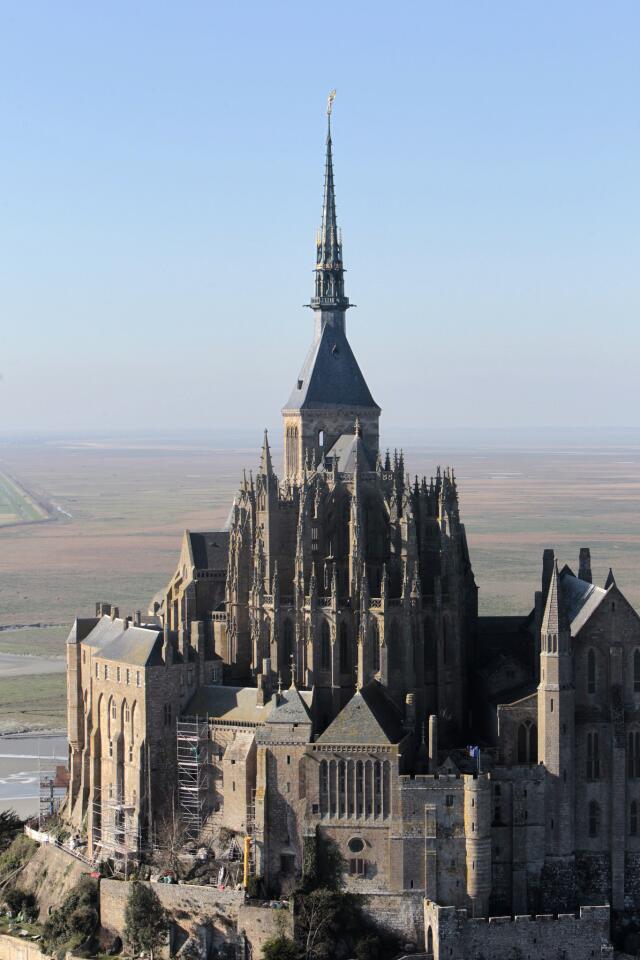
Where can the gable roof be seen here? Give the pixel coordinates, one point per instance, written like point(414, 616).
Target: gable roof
point(209, 551)
point(293, 709)
point(346, 449)
point(370, 717)
point(140, 646)
point(330, 375)
point(580, 599)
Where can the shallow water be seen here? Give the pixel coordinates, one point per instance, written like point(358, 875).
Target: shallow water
point(22, 759)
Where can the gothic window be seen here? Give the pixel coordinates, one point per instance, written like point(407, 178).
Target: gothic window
point(633, 818)
point(127, 713)
point(287, 641)
point(591, 672)
point(594, 819)
point(527, 742)
point(321, 438)
point(375, 641)
point(344, 647)
point(325, 646)
point(593, 756)
point(633, 755)
point(636, 671)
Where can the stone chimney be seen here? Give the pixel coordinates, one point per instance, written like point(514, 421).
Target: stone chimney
point(584, 565)
point(548, 563)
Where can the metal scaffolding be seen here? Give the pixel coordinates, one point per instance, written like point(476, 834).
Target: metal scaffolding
point(192, 751)
point(54, 780)
point(116, 828)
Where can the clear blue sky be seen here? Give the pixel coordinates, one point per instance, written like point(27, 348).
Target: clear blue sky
point(160, 187)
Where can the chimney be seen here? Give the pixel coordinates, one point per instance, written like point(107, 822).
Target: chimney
point(548, 563)
point(584, 565)
point(125, 623)
point(433, 743)
point(138, 619)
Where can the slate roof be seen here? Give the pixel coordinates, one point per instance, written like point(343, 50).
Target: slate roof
point(330, 375)
point(370, 717)
point(293, 709)
point(345, 449)
point(235, 704)
point(140, 646)
point(580, 599)
point(210, 551)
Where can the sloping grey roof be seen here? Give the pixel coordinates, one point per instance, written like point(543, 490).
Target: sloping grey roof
point(140, 646)
point(292, 709)
point(81, 628)
point(580, 598)
point(330, 375)
point(345, 449)
point(210, 551)
point(370, 717)
point(234, 704)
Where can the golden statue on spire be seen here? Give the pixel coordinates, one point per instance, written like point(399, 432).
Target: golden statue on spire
point(330, 100)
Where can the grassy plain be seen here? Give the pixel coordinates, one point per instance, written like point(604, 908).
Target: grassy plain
point(129, 502)
point(33, 702)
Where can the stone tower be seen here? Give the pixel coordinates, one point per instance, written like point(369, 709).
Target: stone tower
point(556, 741)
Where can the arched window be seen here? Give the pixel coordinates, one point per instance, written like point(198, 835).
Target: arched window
point(325, 646)
point(375, 645)
point(321, 438)
point(522, 743)
point(527, 742)
point(633, 818)
point(344, 647)
point(594, 819)
point(593, 756)
point(591, 672)
point(287, 641)
point(636, 671)
point(633, 755)
point(429, 940)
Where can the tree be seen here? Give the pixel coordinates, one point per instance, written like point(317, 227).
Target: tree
point(146, 921)
point(281, 948)
point(10, 826)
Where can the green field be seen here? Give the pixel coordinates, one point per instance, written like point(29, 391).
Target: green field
point(16, 505)
point(35, 702)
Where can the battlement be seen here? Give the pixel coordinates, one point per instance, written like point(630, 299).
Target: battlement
point(451, 933)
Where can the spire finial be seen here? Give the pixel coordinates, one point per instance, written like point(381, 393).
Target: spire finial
point(329, 285)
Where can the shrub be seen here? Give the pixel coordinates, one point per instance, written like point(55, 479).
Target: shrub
point(145, 919)
point(74, 921)
point(18, 901)
point(281, 948)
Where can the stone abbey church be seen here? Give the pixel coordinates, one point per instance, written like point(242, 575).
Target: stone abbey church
point(319, 670)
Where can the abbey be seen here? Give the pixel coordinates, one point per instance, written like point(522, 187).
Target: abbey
point(318, 672)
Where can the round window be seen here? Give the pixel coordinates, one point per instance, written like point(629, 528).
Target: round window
point(356, 844)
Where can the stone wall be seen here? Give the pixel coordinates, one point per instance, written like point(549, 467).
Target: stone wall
point(450, 933)
point(402, 914)
point(259, 924)
point(188, 906)
point(14, 948)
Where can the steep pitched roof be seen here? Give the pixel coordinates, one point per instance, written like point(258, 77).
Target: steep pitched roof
point(370, 717)
point(293, 709)
point(330, 375)
point(347, 447)
point(580, 599)
point(210, 551)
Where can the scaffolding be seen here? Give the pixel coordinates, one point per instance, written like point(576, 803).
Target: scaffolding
point(54, 780)
point(117, 830)
point(192, 752)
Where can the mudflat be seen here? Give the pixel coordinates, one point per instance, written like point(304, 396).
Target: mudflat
point(123, 503)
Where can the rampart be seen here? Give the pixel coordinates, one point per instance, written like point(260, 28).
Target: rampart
point(450, 934)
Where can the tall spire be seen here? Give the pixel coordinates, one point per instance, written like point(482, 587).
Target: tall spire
point(329, 286)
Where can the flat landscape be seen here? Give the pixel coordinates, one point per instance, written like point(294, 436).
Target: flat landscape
point(122, 504)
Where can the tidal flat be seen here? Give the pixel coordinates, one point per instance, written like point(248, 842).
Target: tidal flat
point(123, 503)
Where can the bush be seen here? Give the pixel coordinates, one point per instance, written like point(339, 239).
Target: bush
point(10, 827)
point(145, 919)
point(18, 901)
point(16, 855)
point(281, 948)
point(75, 920)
